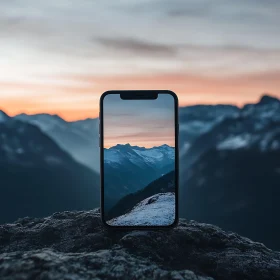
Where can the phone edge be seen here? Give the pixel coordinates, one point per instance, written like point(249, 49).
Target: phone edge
point(101, 150)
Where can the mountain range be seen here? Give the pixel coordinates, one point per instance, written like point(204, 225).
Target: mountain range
point(80, 138)
point(230, 175)
point(229, 163)
point(37, 176)
point(128, 169)
point(199, 119)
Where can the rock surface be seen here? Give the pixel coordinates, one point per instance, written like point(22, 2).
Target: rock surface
point(75, 245)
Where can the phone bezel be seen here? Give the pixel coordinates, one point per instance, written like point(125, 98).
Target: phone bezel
point(101, 145)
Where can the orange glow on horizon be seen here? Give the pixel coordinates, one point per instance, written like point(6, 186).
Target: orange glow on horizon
point(147, 141)
point(147, 146)
point(81, 102)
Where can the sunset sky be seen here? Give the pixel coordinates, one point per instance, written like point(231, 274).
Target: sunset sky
point(59, 56)
point(141, 123)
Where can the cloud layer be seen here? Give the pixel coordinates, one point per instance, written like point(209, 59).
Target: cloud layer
point(59, 56)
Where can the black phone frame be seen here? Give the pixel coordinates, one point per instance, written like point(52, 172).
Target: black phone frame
point(139, 94)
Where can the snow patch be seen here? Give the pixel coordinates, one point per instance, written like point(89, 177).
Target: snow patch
point(185, 148)
point(234, 142)
point(156, 210)
point(196, 126)
point(111, 156)
point(156, 154)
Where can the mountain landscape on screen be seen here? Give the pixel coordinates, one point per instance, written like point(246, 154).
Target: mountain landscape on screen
point(132, 168)
point(37, 176)
point(136, 174)
point(138, 160)
point(162, 185)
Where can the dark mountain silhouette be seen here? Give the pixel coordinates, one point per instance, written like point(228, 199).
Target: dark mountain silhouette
point(237, 190)
point(78, 138)
point(161, 185)
point(253, 126)
point(199, 119)
point(37, 177)
point(3, 116)
point(231, 174)
point(268, 99)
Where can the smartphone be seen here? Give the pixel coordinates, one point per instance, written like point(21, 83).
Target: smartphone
point(139, 159)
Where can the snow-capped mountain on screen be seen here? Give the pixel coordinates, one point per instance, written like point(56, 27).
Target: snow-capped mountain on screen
point(157, 210)
point(129, 168)
point(157, 156)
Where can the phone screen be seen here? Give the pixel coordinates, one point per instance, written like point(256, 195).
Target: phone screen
point(138, 154)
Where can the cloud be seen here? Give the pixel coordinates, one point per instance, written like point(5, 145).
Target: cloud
point(187, 9)
point(137, 46)
point(79, 99)
point(144, 138)
point(206, 51)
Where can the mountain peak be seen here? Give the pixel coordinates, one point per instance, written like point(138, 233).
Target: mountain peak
point(138, 147)
point(268, 99)
point(165, 146)
point(3, 116)
point(40, 116)
point(121, 146)
point(54, 116)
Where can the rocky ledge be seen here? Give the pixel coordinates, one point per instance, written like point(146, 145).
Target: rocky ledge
point(75, 245)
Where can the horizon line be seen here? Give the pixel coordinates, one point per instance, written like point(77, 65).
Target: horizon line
point(108, 147)
point(56, 114)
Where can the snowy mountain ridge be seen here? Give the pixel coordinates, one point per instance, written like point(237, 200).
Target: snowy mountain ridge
point(131, 168)
point(80, 138)
point(235, 127)
point(25, 144)
point(160, 156)
point(257, 126)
